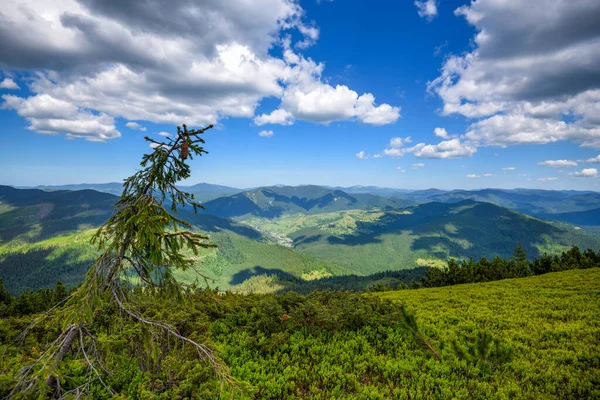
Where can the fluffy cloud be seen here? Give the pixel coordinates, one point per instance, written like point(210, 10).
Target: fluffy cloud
point(595, 160)
point(265, 133)
point(280, 117)
point(453, 148)
point(530, 67)
point(8, 83)
point(547, 179)
point(173, 62)
point(586, 173)
point(48, 115)
point(393, 152)
point(309, 99)
point(396, 142)
point(136, 126)
point(441, 132)
point(508, 169)
point(473, 176)
point(426, 9)
point(362, 155)
point(488, 175)
point(165, 134)
point(558, 163)
point(418, 165)
point(395, 148)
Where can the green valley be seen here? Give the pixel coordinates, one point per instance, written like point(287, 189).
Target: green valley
point(276, 233)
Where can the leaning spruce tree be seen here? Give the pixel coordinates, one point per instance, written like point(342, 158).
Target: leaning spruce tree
point(142, 244)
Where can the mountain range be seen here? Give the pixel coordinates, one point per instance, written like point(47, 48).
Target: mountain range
point(303, 231)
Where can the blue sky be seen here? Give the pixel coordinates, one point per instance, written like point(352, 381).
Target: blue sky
point(358, 87)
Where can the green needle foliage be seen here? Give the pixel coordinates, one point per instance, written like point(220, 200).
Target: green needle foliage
point(142, 245)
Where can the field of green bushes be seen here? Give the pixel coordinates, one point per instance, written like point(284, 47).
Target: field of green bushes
point(527, 338)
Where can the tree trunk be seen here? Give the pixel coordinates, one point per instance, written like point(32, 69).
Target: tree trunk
point(73, 330)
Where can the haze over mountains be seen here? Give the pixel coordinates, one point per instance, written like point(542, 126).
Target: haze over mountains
point(302, 231)
point(529, 201)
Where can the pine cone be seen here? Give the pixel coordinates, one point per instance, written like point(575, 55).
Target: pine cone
point(184, 150)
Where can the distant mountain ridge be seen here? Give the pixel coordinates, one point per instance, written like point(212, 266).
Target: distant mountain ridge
point(529, 201)
point(202, 191)
point(275, 201)
point(582, 218)
point(396, 239)
point(39, 214)
point(45, 234)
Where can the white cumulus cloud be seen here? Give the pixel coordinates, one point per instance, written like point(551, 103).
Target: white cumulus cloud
point(473, 176)
point(172, 62)
point(586, 173)
point(280, 117)
point(8, 83)
point(265, 133)
point(362, 155)
point(558, 163)
point(48, 115)
point(136, 126)
point(452, 148)
point(530, 67)
point(441, 132)
point(427, 9)
point(595, 160)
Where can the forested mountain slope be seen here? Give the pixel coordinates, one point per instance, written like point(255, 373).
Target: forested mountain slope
point(44, 237)
point(29, 215)
point(275, 201)
point(202, 191)
point(528, 201)
point(398, 239)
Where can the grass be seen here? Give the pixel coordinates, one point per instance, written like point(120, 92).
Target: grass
point(551, 322)
point(345, 345)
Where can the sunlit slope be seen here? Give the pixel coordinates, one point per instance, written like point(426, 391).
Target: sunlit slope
point(276, 201)
point(30, 215)
point(400, 239)
point(550, 321)
point(67, 258)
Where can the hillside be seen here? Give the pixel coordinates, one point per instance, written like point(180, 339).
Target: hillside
point(115, 188)
point(528, 201)
point(538, 335)
point(275, 201)
point(44, 237)
point(30, 215)
point(420, 235)
point(288, 232)
point(587, 218)
point(202, 191)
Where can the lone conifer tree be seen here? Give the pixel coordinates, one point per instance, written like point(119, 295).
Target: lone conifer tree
point(142, 245)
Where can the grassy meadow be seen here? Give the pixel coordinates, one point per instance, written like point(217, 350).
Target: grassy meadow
point(527, 338)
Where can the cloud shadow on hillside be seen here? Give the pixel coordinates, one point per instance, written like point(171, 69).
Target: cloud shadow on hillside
point(34, 269)
point(257, 270)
